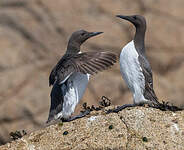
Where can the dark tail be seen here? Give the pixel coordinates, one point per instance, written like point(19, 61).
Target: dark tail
point(164, 106)
point(56, 96)
point(149, 94)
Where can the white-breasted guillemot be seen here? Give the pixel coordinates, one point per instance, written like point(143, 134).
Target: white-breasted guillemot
point(135, 68)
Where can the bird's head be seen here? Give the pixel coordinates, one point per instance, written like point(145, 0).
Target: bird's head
point(81, 36)
point(136, 20)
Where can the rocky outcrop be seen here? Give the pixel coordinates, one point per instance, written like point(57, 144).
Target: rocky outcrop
point(132, 128)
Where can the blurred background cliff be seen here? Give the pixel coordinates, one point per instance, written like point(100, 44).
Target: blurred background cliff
point(33, 37)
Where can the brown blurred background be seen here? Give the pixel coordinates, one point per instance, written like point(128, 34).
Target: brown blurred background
point(33, 37)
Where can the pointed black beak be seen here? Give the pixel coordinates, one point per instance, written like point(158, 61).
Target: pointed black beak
point(94, 33)
point(129, 18)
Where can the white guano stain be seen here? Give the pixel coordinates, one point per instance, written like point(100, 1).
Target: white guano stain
point(174, 128)
point(92, 120)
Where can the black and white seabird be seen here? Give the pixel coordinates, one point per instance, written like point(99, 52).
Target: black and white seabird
point(135, 68)
point(71, 74)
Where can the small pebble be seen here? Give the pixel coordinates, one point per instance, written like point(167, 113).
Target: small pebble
point(145, 139)
point(65, 133)
point(111, 127)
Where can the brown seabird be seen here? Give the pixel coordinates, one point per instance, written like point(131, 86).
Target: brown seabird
point(71, 74)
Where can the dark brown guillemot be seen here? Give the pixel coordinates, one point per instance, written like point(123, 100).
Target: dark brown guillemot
point(135, 68)
point(70, 76)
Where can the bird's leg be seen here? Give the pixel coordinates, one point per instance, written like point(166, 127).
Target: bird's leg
point(81, 115)
point(119, 108)
point(153, 104)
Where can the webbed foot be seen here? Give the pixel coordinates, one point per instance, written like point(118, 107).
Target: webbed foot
point(81, 115)
point(119, 108)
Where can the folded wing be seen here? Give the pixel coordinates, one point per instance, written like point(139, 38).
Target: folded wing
point(146, 69)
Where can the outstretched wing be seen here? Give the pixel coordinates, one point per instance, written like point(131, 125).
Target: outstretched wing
point(86, 63)
point(146, 69)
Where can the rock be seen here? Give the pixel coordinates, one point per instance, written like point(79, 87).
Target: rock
point(132, 128)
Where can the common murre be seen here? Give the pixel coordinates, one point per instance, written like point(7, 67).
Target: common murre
point(135, 68)
point(71, 74)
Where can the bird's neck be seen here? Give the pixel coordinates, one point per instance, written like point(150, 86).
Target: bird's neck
point(139, 40)
point(73, 47)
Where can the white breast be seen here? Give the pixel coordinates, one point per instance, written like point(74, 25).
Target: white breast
point(132, 72)
point(77, 84)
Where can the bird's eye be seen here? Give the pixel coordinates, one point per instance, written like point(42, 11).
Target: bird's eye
point(83, 34)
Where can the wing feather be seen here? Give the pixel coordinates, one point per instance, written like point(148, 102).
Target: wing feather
point(88, 62)
point(146, 69)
